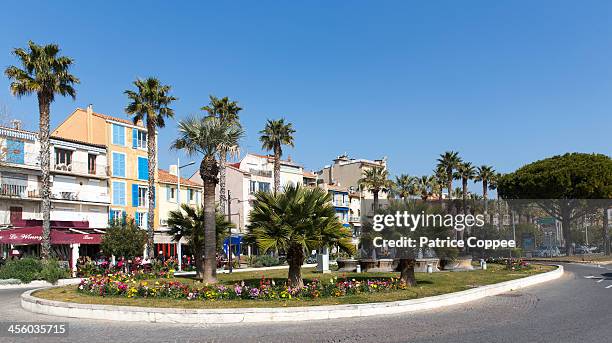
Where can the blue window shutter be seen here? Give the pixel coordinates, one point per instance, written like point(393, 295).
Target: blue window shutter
point(143, 168)
point(137, 219)
point(118, 164)
point(122, 165)
point(134, 195)
point(123, 217)
point(134, 138)
point(111, 216)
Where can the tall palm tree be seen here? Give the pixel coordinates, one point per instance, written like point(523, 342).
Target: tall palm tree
point(449, 161)
point(405, 186)
point(440, 177)
point(187, 222)
point(208, 137)
point(296, 221)
point(273, 137)
point(465, 172)
point(150, 103)
point(228, 111)
point(484, 174)
point(375, 180)
point(44, 72)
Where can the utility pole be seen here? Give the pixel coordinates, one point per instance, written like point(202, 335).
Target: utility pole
point(229, 239)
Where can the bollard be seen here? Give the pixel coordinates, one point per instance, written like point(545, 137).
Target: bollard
point(483, 264)
point(358, 268)
point(429, 268)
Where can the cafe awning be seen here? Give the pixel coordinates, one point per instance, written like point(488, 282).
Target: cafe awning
point(33, 235)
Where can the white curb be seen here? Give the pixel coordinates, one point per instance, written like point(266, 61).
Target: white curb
point(251, 315)
point(41, 283)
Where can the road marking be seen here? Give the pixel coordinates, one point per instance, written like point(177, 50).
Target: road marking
point(609, 287)
point(593, 277)
point(600, 280)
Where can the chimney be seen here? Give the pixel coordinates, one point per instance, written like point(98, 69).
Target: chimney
point(89, 123)
point(331, 174)
point(16, 124)
point(289, 158)
point(173, 169)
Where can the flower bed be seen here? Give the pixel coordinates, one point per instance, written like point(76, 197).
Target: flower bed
point(128, 286)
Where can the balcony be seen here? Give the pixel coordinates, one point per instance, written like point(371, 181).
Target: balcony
point(354, 219)
point(81, 196)
point(17, 191)
point(259, 172)
point(81, 168)
point(338, 203)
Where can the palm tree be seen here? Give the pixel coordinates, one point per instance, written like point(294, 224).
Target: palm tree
point(208, 136)
point(273, 137)
point(440, 178)
point(44, 72)
point(296, 221)
point(425, 185)
point(150, 104)
point(465, 172)
point(188, 222)
point(405, 186)
point(485, 174)
point(226, 110)
point(449, 161)
point(375, 180)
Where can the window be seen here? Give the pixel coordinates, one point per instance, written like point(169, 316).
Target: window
point(252, 187)
point(118, 193)
point(142, 196)
point(141, 219)
point(63, 158)
point(118, 135)
point(190, 194)
point(170, 193)
point(143, 168)
point(91, 164)
point(116, 215)
point(118, 164)
point(141, 139)
point(14, 151)
point(264, 186)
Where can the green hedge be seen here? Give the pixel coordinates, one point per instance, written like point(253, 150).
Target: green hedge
point(30, 269)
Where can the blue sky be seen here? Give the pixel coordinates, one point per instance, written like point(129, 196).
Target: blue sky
point(503, 83)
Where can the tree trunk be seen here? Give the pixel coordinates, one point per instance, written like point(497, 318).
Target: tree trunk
point(449, 183)
point(295, 257)
point(406, 268)
point(152, 156)
point(464, 187)
point(44, 108)
point(565, 224)
point(277, 157)
point(209, 170)
point(375, 202)
point(485, 196)
point(222, 191)
point(606, 233)
point(199, 262)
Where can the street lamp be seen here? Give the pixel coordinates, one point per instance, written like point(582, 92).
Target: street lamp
point(179, 249)
point(229, 219)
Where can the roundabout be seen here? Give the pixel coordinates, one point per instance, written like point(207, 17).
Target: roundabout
point(279, 314)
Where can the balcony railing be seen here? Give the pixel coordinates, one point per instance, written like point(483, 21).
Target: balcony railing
point(259, 172)
point(340, 203)
point(354, 219)
point(82, 168)
point(13, 190)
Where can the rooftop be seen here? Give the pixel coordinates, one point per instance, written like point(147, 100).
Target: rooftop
point(164, 176)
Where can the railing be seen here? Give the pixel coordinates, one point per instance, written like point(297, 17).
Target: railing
point(13, 190)
point(26, 158)
point(259, 172)
point(82, 168)
point(340, 203)
point(354, 219)
point(81, 196)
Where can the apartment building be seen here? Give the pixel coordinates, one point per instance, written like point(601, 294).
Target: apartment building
point(126, 148)
point(78, 180)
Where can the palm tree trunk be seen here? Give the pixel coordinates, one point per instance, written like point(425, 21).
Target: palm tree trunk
point(222, 191)
point(44, 108)
point(198, 252)
point(485, 196)
point(375, 193)
point(449, 183)
point(464, 186)
point(151, 147)
point(606, 234)
point(209, 170)
point(406, 268)
point(565, 225)
point(295, 257)
point(277, 157)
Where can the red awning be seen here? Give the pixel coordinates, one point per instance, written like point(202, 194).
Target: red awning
point(33, 235)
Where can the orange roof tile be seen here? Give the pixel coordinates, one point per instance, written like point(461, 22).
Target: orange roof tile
point(107, 117)
point(165, 177)
point(310, 175)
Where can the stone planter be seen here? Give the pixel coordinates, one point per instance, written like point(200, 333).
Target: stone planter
point(368, 265)
point(349, 265)
point(383, 265)
point(460, 264)
point(421, 264)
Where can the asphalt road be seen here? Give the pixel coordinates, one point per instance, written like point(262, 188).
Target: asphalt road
point(575, 308)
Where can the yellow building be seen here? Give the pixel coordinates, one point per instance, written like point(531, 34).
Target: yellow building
point(127, 159)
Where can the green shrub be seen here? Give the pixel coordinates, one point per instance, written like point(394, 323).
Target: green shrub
point(26, 269)
point(265, 261)
point(52, 271)
point(30, 269)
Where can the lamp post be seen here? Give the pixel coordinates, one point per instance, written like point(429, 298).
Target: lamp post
point(179, 248)
point(229, 219)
